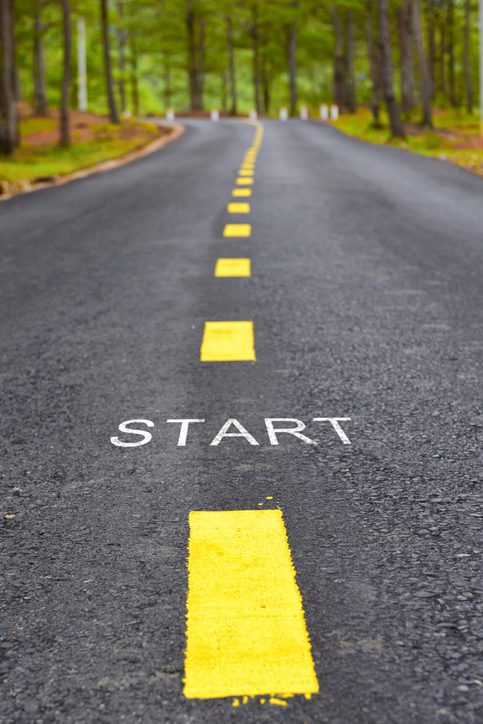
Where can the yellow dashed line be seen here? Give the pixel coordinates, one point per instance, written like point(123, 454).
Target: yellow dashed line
point(228, 342)
point(239, 193)
point(244, 181)
point(241, 208)
point(246, 172)
point(237, 230)
point(246, 632)
point(233, 268)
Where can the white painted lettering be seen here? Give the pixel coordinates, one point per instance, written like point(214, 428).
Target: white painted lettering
point(241, 432)
point(296, 431)
point(144, 434)
point(334, 421)
point(183, 431)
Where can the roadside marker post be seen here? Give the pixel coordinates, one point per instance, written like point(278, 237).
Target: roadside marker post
point(215, 115)
point(283, 114)
point(334, 112)
point(170, 115)
point(304, 113)
point(324, 112)
point(253, 115)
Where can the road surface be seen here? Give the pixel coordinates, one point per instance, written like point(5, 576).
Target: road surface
point(365, 302)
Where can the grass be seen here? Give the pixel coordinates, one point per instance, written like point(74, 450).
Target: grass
point(40, 156)
point(454, 138)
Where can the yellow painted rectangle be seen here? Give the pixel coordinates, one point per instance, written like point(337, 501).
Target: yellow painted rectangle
point(233, 268)
point(246, 172)
point(228, 342)
point(237, 230)
point(238, 208)
point(246, 632)
point(244, 181)
point(239, 193)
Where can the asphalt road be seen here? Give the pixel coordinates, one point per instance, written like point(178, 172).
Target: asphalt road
point(366, 299)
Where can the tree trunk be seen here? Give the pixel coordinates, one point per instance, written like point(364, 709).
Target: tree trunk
point(467, 58)
point(111, 101)
point(292, 66)
point(450, 51)
point(427, 119)
point(122, 40)
point(64, 101)
point(339, 65)
point(9, 136)
point(230, 46)
point(224, 91)
point(406, 57)
point(374, 64)
point(256, 58)
point(167, 79)
point(392, 106)
point(431, 55)
point(350, 101)
point(40, 92)
point(134, 77)
point(265, 79)
point(196, 50)
point(442, 58)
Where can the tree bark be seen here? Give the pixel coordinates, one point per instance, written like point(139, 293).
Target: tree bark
point(122, 40)
point(196, 42)
point(40, 90)
point(427, 117)
point(64, 100)
point(339, 65)
point(467, 59)
point(350, 101)
point(374, 64)
point(266, 83)
point(230, 47)
point(392, 106)
point(167, 79)
point(431, 55)
point(111, 101)
point(450, 54)
point(255, 32)
point(9, 136)
point(406, 57)
point(134, 76)
point(292, 66)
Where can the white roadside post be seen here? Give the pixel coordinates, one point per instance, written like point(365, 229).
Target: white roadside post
point(170, 115)
point(81, 64)
point(324, 112)
point(304, 114)
point(253, 115)
point(283, 114)
point(334, 113)
point(215, 115)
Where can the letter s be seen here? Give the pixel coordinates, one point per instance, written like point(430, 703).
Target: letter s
point(123, 427)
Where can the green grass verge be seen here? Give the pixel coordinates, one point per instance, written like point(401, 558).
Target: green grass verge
point(108, 142)
point(452, 129)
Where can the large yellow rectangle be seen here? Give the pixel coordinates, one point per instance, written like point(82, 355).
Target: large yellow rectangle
point(237, 230)
point(241, 193)
point(228, 342)
point(238, 208)
point(244, 181)
point(246, 632)
point(233, 268)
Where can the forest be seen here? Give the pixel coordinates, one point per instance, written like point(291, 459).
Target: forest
point(128, 58)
